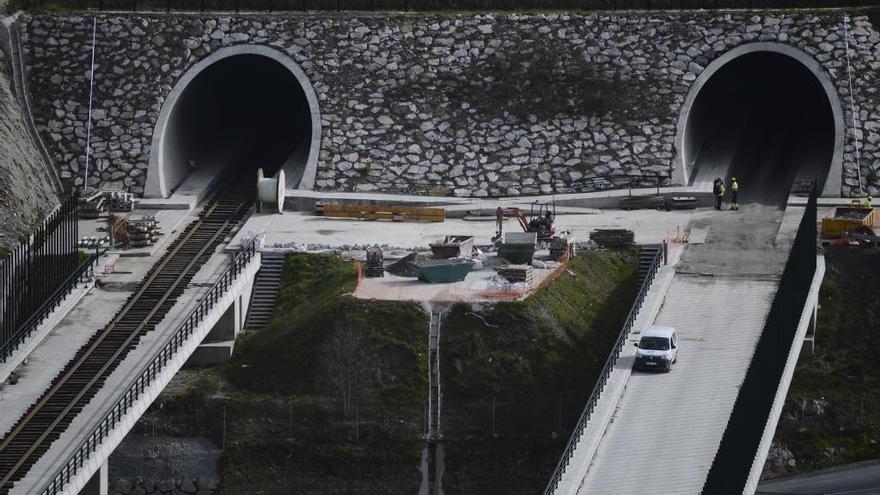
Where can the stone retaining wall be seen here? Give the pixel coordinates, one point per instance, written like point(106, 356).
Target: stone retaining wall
point(465, 105)
point(184, 486)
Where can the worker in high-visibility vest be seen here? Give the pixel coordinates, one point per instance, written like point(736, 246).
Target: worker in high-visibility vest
point(718, 190)
point(734, 191)
point(868, 202)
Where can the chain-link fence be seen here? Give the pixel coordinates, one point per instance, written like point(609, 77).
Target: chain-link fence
point(506, 445)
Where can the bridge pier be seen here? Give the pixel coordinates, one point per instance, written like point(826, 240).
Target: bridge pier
point(218, 344)
point(809, 345)
point(98, 484)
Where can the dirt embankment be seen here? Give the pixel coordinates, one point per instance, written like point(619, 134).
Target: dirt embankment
point(832, 412)
point(26, 195)
point(330, 397)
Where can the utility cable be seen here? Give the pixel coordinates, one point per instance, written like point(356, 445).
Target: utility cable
point(91, 93)
point(852, 104)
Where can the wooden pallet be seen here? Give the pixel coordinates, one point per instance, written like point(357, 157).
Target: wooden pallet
point(613, 237)
point(384, 212)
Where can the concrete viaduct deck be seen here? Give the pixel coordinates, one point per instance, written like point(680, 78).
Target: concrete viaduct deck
point(90, 308)
point(660, 432)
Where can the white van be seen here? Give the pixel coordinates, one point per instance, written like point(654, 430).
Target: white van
point(657, 349)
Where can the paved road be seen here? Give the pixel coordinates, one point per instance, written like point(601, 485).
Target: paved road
point(854, 479)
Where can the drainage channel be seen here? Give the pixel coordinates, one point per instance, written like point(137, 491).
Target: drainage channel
point(432, 455)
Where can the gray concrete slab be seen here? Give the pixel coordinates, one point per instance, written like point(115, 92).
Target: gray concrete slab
point(667, 427)
point(292, 229)
point(739, 243)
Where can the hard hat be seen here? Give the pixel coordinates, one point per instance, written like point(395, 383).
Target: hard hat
point(733, 179)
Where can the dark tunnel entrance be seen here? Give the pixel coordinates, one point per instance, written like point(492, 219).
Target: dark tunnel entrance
point(765, 119)
point(240, 113)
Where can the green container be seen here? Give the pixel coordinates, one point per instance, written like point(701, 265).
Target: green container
point(442, 271)
point(518, 254)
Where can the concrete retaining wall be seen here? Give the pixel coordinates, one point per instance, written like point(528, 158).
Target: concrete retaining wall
point(465, 105)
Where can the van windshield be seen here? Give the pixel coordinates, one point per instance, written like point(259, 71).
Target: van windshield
point(654, 343)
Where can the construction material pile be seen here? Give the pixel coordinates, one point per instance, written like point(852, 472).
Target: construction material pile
point(121, 201)
point(643, 203)
point(517, 273)
point(381, 212)
point(613, 238)
point(143, 232)
point(375, 265)
point(94, 242)
point(92, 205)
point(406, 266)
point(558, 248)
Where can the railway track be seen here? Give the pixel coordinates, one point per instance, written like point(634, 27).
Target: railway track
point(86, 372)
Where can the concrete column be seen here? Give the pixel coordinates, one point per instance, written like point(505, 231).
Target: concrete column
point(98, 485)
point(809, 346)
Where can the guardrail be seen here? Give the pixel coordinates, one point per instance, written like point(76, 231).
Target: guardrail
point(603, 377)
point(36, 274)
point(241, 260)
point(85, 271)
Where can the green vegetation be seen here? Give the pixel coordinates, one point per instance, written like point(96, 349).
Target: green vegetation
point(327, 399)
point(832, 414)
point(330, 397)
point(533, 362)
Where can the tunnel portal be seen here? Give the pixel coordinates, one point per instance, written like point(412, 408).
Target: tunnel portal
point(765, 118)
point(239, 113)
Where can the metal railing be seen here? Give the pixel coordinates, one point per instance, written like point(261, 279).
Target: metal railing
point(239, 262)
point(629, 181)
point(37, 274)
point(610, 363)
point(85, 271)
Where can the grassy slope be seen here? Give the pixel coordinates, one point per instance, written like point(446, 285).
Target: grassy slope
point(840, 384)
point(524, 354)
point(370, 445)
point(556, 341)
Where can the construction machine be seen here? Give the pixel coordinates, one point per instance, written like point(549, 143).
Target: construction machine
point(541, 220)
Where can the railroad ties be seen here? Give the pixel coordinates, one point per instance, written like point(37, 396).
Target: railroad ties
point(85, 374)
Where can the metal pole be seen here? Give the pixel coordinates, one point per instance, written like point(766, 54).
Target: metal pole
point(91, 93)
point(493, 417)
point(559, 429)
point(290, 419)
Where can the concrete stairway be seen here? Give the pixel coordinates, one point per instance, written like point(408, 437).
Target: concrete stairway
point(265, 292)
point(646, 257)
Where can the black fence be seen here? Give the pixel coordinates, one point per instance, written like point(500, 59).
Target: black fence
point(736, 453)
point(37, 275)
point(431, 5)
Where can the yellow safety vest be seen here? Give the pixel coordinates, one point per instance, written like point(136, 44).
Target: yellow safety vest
point(734, 186)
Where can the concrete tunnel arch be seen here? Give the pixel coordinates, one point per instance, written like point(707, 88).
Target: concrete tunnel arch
point(810, 75)
point(179, 135)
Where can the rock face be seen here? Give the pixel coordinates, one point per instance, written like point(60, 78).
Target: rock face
point(26, 196)
point(464, 105)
